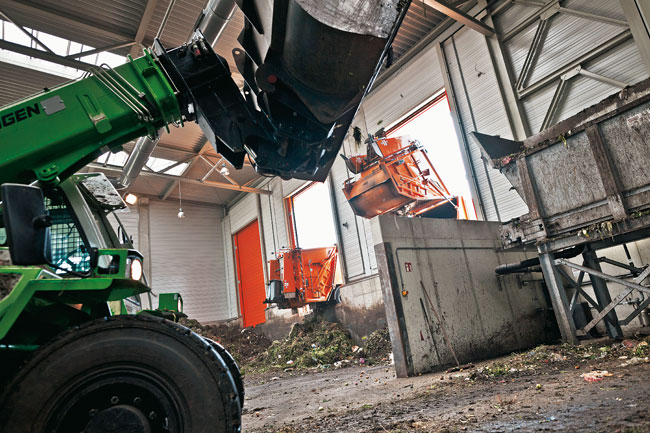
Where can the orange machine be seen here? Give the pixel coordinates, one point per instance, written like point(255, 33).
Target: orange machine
point(303, 276)
point(396, 175)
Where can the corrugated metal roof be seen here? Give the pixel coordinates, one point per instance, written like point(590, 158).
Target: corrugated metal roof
point(19, 82)
point(419, 20)
point(179, 26)
point(88, 22)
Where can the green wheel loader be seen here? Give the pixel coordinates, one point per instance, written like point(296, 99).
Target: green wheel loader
point(77, 353)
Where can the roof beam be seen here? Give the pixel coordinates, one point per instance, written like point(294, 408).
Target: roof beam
point(460, 16)
point(209, 183)
point(212, 154)
point(64, 21)
point(100, 50)
point(143, 26)
point(172, 185)
point(44, 55)
point(29, 34)
point(213, 167)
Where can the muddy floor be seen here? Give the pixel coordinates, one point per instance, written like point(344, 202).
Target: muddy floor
point(594, 388)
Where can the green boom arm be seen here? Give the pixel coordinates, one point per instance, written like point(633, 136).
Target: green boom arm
point(51, 135)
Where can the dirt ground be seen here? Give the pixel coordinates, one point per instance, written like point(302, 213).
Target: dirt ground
point(538, 390)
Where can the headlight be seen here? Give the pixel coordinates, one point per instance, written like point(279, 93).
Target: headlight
point(136, 269)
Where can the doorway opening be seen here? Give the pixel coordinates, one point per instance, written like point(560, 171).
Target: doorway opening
point(432, 125)
point(311, 218)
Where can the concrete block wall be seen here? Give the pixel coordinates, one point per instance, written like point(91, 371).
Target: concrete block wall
point(484, 315)
point(361, 309)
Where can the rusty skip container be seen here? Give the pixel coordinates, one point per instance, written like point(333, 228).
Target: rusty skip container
point(581, 178)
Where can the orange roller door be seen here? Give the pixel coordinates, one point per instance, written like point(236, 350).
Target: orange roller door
point(250, 274)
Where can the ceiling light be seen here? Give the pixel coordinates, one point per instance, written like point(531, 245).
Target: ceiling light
point(224, 170)
point(130, 199)
point(180, 214)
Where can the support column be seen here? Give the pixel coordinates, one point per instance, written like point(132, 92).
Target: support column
point(558, 296)
point(394, 310)
point(602, 295)
point(637, 14)
point(504, 76)
point(144, 246)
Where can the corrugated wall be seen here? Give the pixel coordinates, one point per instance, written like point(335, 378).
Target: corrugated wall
point(567, 38)
point(187, 257)
point(409, 87)
point(350, 226)
point(481, 108)
point(229, 271)
point(129, 219)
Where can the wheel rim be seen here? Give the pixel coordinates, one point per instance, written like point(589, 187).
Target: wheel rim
point(125, 399)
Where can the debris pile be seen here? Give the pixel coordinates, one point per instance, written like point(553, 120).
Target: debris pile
point(319, 344)
point(377, 347)
point(630, 352)
point(245, 345)
point(313, 344)
point(309, 344)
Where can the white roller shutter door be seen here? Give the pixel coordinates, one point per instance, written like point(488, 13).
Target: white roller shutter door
point(187, 257)
point(129, 219)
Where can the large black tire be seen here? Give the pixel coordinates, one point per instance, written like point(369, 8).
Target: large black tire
point(232, 366)
point(123, 374)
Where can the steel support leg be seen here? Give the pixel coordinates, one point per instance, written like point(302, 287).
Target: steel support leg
point(602, 295)
point(558, 296)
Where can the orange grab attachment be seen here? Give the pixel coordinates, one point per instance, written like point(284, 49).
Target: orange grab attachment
point(396, 175)
point(302, 276)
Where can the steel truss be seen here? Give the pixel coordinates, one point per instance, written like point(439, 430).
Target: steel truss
point(565, 292)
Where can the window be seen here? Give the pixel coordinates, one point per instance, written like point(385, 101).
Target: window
point(311, 221)
point(432, 125)
point(59, 46)
point(159, 165)
point(69, 250)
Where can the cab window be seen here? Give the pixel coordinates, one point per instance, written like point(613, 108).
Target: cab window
point(69, 250)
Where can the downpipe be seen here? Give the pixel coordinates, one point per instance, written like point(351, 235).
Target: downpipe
point(525, 265)
point(137, 159)
point(212, 22)
point(214, 19)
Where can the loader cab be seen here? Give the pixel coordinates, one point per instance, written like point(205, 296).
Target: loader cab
point(80, 208)
point(77, 231)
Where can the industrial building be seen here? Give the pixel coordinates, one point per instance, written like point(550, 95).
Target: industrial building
point(532, 113)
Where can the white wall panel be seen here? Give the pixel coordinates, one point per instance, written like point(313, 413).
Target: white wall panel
point(129, 219)
point(412, 85)
point(268, 222)
point(624, 64)
point(567, 38)
point(279, 214)
point(187, 257)
point(481, 109)
point(349, 225)
point(229, 271)
point(289, 187)
point(243, 212)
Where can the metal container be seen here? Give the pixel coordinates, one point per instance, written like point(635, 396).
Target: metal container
point(584, 178)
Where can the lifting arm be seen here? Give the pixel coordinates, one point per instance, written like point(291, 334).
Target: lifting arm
point(51, 135)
